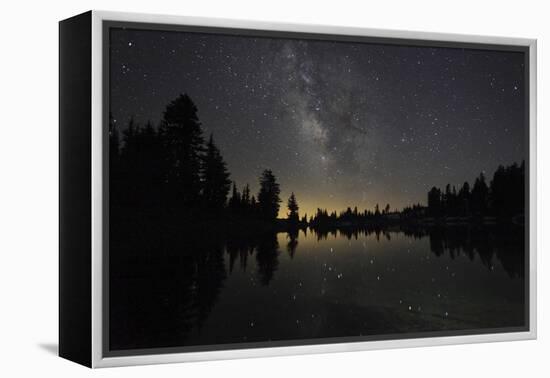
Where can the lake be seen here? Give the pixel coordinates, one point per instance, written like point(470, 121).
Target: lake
point(284, 287)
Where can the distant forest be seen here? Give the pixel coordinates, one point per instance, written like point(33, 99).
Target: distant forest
point(173, 172)
point(502, 199)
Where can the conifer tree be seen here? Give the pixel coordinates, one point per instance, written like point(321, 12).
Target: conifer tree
point(293, 208)
point(268, 196)
point(215, 178)
point(480, 193)
point(235, 200)
point(183, 143)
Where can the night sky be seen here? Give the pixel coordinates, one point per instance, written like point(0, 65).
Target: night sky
point(339, 123)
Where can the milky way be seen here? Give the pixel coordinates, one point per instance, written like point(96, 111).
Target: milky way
point(340, 123)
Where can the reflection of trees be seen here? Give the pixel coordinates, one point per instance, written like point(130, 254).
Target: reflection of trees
point(267, 259)
point(512, 261)
point(485, 242)
point(162, 284)
point(165, 283)
point(293, 241)
point(437, 244)
point(239, 248)
point(209, 281)
point(266, 247)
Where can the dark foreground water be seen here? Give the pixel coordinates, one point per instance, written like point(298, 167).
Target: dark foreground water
point(283, 287)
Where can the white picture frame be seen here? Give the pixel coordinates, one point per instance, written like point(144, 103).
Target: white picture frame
point(98, 358)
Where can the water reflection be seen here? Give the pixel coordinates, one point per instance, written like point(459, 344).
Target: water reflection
point(292, 244)
point(184, 290)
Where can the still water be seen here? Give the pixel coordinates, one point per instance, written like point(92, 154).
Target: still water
point(310, 285)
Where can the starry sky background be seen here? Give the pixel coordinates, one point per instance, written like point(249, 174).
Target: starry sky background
point(339, 123)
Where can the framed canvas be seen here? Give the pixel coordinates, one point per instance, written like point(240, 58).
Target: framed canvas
point(235, 189)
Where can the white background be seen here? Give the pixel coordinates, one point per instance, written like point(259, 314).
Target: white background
point(29, 189)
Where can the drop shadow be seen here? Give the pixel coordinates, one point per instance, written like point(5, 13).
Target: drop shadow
point(50, 348)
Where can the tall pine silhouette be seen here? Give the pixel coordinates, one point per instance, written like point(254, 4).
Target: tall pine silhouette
point(183, 143)
point(293, 208)
point(480, 195)
point(268, 196)
point(216, 183)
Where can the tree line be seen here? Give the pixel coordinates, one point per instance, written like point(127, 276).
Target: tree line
point(173, 169)
point(323, 218)
point(504, 196)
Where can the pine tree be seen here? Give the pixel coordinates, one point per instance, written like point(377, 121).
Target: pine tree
point(376, 211)
point(293, 208)
point(234, 203)
point(151, 167)
point(434, 202)
point(480, 194)
point(130, 165)
point(246, 197)
point(252, 210)
point(268, 196)
point(183, 142)
point(141, 167)
point(464, 199)
point(215, 178)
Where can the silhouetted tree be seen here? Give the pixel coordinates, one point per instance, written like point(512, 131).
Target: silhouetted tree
point(183, 142)
point(454, 201)
point(448, 200)
point(464, 199)
point(155, 170)
point(414, 211)
point(268, 196)
point(434, 202)
point(480, 195)
point(245, 199)
point(346, 215)
point(234, 203)
point(253, 206)
point(507, 190)
point(141, 172)
point(293, 208)
point(215, 177)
